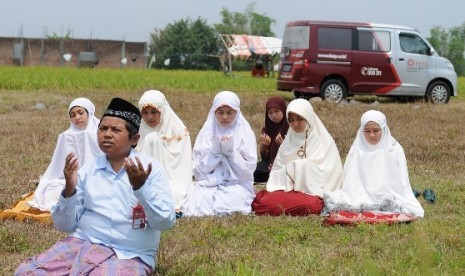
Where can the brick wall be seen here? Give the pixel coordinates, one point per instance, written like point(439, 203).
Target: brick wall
point(49, 52)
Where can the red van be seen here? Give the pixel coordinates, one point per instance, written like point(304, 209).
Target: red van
point(334, 60)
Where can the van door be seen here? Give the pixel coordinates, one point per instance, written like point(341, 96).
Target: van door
point(414, 64)
point(372, 67)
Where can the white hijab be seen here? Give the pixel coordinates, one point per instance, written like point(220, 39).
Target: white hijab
point(82, 142)
point(169, 143)
point(170, 127)
point(244, 143)
point(319, 170)
point(375, 176)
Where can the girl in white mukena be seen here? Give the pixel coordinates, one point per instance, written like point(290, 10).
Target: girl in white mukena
point(80, 138)
point(225, 157)
point(307, 164)
point(164, 137)
point(375, 177)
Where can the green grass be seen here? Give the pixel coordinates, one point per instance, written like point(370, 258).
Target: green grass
point(431, 135)
point(82, 79)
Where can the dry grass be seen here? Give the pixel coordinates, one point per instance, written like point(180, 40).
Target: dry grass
point(433, 138)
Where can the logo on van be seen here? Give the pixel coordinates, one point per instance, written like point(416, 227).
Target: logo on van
point(413, 65)
point(371, 71)
point(333, 56)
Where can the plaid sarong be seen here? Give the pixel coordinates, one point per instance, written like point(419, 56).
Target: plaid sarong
point(73, 256)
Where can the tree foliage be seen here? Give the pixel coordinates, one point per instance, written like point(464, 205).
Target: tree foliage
point(248, 22)
point(184, 44)
point(191, 44)
point(450, 45)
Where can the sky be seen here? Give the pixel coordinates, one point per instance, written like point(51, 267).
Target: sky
point(134, 20)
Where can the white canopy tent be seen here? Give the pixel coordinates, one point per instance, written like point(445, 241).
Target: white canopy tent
point(244, 46)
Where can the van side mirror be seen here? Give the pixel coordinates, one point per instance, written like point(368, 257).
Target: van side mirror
point(429, 51)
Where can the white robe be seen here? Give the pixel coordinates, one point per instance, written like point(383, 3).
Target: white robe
point(169, 143)
point(375, 176)
point(223, 169)
point(83, 143)
point(319, 170)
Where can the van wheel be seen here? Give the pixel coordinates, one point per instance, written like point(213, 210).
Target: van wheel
point(333, 90)
point(438, 92)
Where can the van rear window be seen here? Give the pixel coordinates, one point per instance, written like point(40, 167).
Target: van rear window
point(297, 37)
point(374, 41)
point(335, 38)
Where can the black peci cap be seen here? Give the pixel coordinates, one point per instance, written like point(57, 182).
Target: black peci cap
point(125, 110)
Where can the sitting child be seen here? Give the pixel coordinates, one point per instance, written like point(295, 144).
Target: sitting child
point(165, 138)
point(81, 139)
point(273, 134)
point(376, 186)
point(306, 166)
point(224, 156)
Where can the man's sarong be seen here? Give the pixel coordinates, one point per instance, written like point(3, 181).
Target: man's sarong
point(73, 256)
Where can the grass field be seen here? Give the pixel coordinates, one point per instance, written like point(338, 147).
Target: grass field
point(432, 136)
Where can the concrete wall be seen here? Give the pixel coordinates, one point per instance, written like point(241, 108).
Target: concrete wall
point(49, 52)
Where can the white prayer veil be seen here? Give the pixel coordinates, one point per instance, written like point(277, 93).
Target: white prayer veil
point(82, 142)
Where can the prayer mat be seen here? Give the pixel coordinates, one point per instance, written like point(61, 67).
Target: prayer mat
point(22, 211)
point(352, 218)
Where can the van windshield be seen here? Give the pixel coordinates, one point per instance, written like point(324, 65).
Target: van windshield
point(296, 37)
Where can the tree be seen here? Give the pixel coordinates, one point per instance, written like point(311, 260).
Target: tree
point(185, 44)
point(439, 40)
point(261, 25)
point(457, 49)
point(249, 22)
point(450, 45)
point(232, 23)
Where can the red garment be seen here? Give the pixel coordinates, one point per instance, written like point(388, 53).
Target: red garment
point(292, 203)
point(258, 71)
point(352, 218)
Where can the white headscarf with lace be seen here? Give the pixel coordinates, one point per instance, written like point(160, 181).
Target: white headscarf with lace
point(170, 127)
point(169, 143)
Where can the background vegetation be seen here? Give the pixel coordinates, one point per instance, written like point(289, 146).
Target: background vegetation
point(432, 137)
point(193, 44)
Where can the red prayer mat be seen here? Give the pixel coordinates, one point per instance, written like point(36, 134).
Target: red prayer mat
point(351, 218)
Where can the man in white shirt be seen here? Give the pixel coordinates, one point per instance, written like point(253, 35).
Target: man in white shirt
point(115, 207)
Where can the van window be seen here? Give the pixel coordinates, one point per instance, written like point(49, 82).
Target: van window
point(412, 43)
point(297, 37)
point(335, 38)
point(374, 41)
